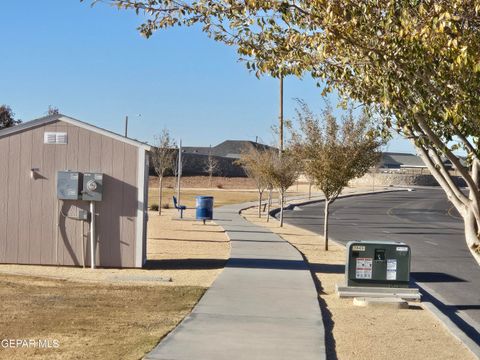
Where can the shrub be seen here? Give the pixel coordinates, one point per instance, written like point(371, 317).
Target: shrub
point(166, 206)
point(154, 207)
point(219, 186)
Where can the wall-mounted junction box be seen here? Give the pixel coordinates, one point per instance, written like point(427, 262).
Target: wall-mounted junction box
point(83, 215)
point(69, 185)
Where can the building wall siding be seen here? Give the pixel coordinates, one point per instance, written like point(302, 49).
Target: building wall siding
point(32, 227)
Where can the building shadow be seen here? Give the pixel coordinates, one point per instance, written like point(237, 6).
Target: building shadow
point(274, 264)
point(185, 264)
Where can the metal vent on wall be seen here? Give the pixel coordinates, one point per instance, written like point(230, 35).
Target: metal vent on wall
point(55, 138)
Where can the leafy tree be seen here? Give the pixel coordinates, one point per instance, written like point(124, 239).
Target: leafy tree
point(163, 156)
point(7, 117)
point(253, 162)
point(53, 110)
point(415, 61)
point(335, 152)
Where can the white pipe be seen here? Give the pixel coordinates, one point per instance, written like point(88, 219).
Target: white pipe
point(92, 234)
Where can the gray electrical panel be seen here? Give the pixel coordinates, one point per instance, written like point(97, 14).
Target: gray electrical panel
point(378, 264)
point(92, 186)
point(69, 185)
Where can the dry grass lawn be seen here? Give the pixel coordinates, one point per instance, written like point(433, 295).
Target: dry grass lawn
point(112, 313)
point(359, 333)
point(90, 321)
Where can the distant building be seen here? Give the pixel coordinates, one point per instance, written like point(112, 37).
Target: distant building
point(229, 148)
point(405, 161)
point(393, 160)
point(195, 158)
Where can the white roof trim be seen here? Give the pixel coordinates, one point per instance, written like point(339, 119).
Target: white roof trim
point(67, 119)
point(104, 132)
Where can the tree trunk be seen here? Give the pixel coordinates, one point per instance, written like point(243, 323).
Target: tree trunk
point(469, 210)
point(269, 204)
point(471, 234)
point(309, 190)
point(472, 217)
point(210, 179)
point(160, 188)
point(282, 200)
point(325, 224)
point(260, 193)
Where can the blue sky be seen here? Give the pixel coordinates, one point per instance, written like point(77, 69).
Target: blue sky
point(93, 65)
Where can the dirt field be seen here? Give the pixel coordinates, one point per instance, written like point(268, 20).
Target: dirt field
point(186, 250)
point(112, 313)
point(221, 196)
point(193, 182)
point(232, 191)
point(359, 333)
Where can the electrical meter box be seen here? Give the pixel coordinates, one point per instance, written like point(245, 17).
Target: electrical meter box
point(378, 264)
point(92, 186)
point(69, 185)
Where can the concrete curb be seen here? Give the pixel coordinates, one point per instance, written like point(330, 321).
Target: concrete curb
point(429, 297)
point(291, 206)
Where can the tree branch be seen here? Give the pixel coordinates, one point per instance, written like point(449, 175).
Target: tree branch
point(450, 155)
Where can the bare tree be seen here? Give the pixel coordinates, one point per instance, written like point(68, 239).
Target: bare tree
point(253, 162)
point(211, 166)
point(281, 171)
point(335, 152)
point(163, 157)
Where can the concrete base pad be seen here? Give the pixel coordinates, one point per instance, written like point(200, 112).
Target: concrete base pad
point(410, 294)
point(383, 302)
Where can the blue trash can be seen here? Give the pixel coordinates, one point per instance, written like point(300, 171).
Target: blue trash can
point(204, 208)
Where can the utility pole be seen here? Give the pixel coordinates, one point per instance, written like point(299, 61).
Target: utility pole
point(179, 170)
point(126, 126)
point(280, 147)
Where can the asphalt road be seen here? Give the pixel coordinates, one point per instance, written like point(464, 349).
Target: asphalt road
point(424, 219)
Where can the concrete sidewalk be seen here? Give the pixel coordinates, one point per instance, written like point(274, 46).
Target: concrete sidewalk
point(262, 306)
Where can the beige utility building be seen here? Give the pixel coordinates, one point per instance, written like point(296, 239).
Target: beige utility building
point(53, 172)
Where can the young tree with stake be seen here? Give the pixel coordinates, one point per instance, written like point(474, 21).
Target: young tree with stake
point(211, 166)
point(334, 152)
point(163, 157)
point(253, 162)
point(281, 171)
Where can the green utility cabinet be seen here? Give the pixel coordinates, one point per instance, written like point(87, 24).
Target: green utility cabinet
point(378, 264)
